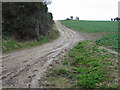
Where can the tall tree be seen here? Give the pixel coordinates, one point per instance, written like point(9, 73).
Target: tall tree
point(25, 20)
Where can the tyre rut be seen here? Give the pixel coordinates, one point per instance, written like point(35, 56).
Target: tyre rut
point(24, 68)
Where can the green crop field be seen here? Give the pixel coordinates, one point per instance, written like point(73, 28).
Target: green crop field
point(92, 26)
point(110, 27)
point(109, 41)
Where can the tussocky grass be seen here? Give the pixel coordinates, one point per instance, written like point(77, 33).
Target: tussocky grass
point(9, 44)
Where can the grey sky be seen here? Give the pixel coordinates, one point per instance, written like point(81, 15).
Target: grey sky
point(84, 9)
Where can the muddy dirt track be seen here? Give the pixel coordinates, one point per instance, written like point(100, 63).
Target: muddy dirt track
point(24, 68)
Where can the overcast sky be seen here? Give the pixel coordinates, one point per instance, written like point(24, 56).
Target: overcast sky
point(84, 9)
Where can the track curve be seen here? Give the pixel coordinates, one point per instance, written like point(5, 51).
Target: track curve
point(24, 68)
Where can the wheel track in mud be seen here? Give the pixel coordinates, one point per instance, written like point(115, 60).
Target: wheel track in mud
point(24, 68)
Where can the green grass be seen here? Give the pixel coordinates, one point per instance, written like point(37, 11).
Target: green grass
point(9, 44)
point(92, 26)
point(110, 27)
point(86, 66)
point(109, 41)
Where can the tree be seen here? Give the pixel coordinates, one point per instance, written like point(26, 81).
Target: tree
point(67, 19)
point(71, 17)
point(117, 19)
point(25, 20)
point(77, 18)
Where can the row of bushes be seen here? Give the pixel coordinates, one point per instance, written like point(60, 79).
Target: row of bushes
point(26, 20)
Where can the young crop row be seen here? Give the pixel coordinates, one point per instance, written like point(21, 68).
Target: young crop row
point(92, 26)
point(110, 41)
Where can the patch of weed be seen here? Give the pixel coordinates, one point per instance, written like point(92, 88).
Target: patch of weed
point(87, 68)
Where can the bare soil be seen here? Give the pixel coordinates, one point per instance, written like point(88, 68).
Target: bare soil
point(24, 68)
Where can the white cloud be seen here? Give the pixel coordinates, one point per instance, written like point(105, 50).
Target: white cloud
point(85, 9)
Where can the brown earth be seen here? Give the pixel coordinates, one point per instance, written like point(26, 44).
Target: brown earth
point(24, 68)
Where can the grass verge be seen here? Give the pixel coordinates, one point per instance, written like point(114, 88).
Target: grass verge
point(9, 44)
point(86, 66)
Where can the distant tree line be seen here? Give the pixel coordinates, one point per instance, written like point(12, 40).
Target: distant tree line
point(26, 20)
point(71, 18)
point(115, 19)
